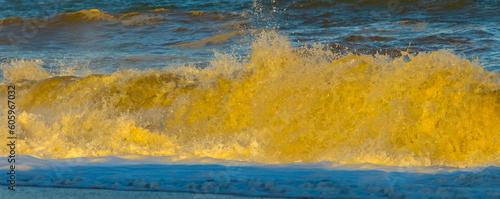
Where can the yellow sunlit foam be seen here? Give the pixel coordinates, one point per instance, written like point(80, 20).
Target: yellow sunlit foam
point(282, 105)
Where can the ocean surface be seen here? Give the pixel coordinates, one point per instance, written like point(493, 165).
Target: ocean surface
point(157, 34)
point(397, 83)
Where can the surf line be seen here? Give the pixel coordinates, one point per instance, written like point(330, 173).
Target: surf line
point(11, 117)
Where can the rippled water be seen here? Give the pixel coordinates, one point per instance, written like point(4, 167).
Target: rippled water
point(145, 34)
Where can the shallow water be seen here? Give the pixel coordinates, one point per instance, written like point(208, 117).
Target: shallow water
point(128, 176)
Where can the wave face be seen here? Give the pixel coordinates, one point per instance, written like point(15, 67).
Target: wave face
point(281, 105)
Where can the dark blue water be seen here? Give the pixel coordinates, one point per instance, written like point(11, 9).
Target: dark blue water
point(156, 34)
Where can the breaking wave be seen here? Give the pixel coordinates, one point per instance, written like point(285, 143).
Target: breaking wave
point(281, 105)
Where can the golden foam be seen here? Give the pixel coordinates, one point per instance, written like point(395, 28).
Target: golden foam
point(282, 105)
